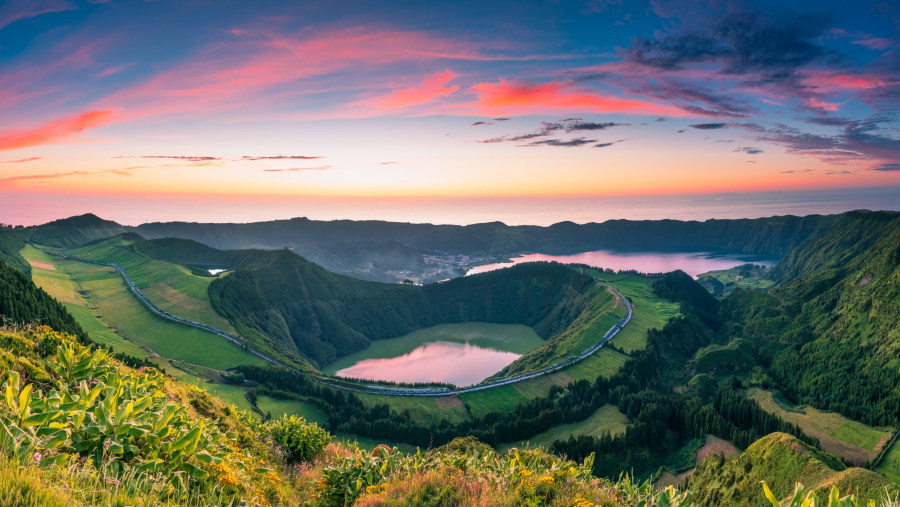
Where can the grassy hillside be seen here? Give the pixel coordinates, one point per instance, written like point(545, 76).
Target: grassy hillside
point(102, 303)
point(830, 338)
point(782, 461)
point(174, 288)
point(75, 231)
point(746, 276)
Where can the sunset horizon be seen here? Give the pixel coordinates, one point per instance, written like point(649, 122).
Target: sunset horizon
point(568, 100)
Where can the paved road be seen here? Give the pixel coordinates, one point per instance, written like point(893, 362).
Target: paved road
point(355, 386)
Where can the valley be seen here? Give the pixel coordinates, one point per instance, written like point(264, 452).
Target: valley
point(557, 390)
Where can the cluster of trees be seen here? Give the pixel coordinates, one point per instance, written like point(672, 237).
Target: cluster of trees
point(22, 303)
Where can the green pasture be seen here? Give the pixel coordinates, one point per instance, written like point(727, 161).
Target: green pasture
point(606, 419)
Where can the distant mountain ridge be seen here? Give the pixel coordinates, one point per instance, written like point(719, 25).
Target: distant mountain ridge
point(773, 236)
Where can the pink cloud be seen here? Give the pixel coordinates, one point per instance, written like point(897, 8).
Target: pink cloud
point(826, 106)
point(526, 97)
point(234, 74)
point(838, 81)
point(20, 161)
point(53, 131)
point(14, 10)
point(431, 88)
point(877, 43)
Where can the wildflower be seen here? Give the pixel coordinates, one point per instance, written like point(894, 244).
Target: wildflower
point(36, 458)
point(547, 479)
point(272, 478)
point(526, 473)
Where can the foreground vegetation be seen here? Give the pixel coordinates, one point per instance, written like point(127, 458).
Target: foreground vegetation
point(78, 428)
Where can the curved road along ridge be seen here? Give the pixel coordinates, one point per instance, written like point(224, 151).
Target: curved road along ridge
point(352, 386)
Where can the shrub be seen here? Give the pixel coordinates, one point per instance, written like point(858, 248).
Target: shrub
point(299, 440)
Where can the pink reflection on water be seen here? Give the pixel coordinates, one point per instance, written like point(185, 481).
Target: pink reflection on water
point(691, 263)
point(457, 363)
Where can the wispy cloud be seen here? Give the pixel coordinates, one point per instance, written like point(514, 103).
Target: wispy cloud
point(20, 161)
point(15, 10)
point(567, 125)
point(749, 150)
point(53, 131)
point(66, 174)
point(569, 143)
point(431, 88)
point(891, 167)
point(709, 126)
point(296, 169)
point(280, 157)
point(186, 158)
point(529, 97)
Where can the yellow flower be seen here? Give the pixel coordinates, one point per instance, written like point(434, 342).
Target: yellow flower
point(547, 479)
point(526, 473)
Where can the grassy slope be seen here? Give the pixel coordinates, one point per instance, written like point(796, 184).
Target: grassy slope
point(723, 282)
point(277, 407)
point(118, 319)
point(837, 435)
point(650, 311)
point(606, 419)
point(169, 286)
point(782, 461)
point(890, 464)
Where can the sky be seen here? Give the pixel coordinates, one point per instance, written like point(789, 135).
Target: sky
point(122, 102)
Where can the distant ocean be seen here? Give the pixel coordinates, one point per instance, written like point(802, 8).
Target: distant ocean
point(31, 209)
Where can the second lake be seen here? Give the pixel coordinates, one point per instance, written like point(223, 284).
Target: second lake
point(692, 263)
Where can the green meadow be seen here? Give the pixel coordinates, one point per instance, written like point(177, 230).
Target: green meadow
point(606, 419)
point(650, 311)
point(112, 315)
point(890, 464)
point(169, 286)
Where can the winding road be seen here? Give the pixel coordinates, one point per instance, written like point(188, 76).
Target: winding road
point(354, 386)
